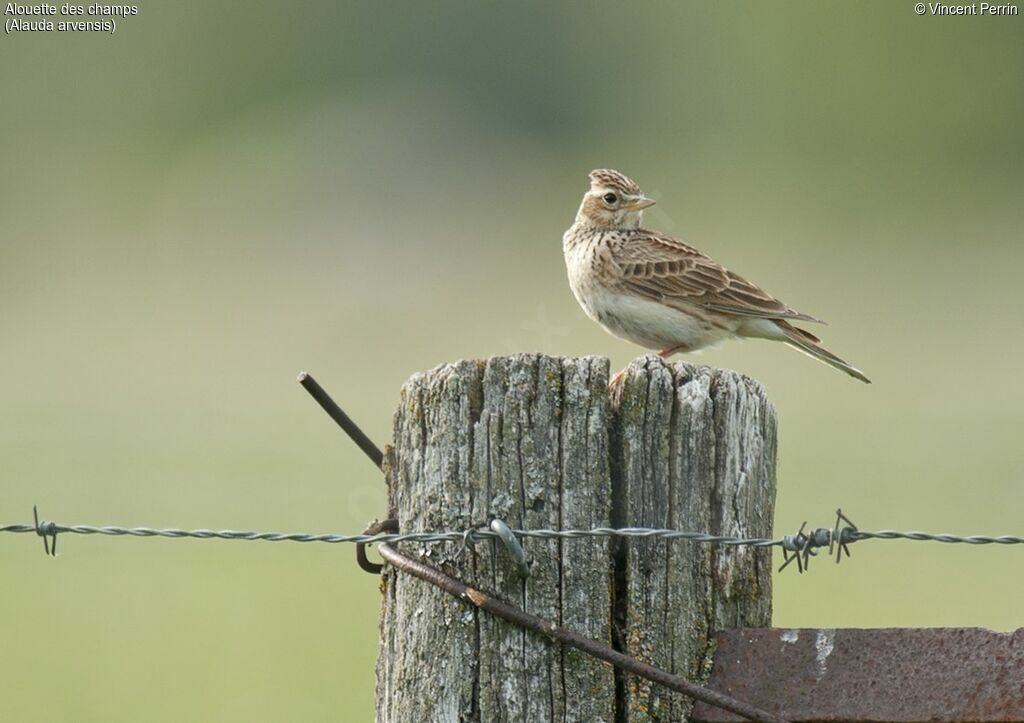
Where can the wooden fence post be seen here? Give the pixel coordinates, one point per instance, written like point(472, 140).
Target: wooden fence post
point(537, 441)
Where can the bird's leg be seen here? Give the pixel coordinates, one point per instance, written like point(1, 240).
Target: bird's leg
point(666, 353)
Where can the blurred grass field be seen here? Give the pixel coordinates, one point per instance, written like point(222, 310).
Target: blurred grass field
point(223, 194)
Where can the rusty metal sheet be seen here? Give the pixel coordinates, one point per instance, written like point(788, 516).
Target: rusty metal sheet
point(908, 675)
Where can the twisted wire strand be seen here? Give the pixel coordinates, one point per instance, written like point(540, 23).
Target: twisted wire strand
point(472, 535)
point(476, 534)
point(941, 537)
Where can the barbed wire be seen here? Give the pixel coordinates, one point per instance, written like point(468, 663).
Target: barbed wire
point(469, 535)
point(803, 545)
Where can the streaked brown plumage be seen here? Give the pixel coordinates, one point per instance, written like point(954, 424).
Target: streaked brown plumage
point(661, 293)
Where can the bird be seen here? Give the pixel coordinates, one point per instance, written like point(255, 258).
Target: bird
point(663, 294)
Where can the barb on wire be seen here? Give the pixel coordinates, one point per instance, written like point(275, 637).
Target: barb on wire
point(804, 546)
point(46, 530)
point(842, 536)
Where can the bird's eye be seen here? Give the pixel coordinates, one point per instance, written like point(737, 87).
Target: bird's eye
point(610, 198)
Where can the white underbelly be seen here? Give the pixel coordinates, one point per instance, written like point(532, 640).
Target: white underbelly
point(653, 325)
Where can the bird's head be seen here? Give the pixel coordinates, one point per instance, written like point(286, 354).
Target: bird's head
point(613, 201)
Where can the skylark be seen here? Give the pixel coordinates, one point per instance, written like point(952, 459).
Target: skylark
point(661, 293)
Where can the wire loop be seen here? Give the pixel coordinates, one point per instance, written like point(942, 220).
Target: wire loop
point(512, 546)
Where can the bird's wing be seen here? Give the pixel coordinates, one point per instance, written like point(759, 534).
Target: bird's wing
point(666, 269)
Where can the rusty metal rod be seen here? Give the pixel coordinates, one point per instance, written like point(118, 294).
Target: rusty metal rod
point(336, 413)
point(357, 435)
point(550, 630)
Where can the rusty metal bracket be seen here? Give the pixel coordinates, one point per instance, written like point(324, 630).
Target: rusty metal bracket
point(897, 675)
point(388, 525)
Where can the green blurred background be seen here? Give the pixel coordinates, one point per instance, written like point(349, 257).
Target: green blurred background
point(224, 193)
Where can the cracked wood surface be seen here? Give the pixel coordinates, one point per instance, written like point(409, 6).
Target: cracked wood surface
point(694, 450)
point(536, 441)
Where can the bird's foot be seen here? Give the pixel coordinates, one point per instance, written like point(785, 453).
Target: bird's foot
point(616, 380)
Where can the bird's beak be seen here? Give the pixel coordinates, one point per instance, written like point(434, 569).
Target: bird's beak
point(638, 203)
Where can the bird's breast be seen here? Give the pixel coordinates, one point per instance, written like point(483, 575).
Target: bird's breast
point(583, 260)
point(652, 324)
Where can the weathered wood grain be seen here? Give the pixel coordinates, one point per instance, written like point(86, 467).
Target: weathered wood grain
point(695, 450)
point(537, 441)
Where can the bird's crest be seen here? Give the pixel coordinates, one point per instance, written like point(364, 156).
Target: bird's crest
point(607, 178)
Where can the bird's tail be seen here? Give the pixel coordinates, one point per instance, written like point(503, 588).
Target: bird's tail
point(809, 344)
